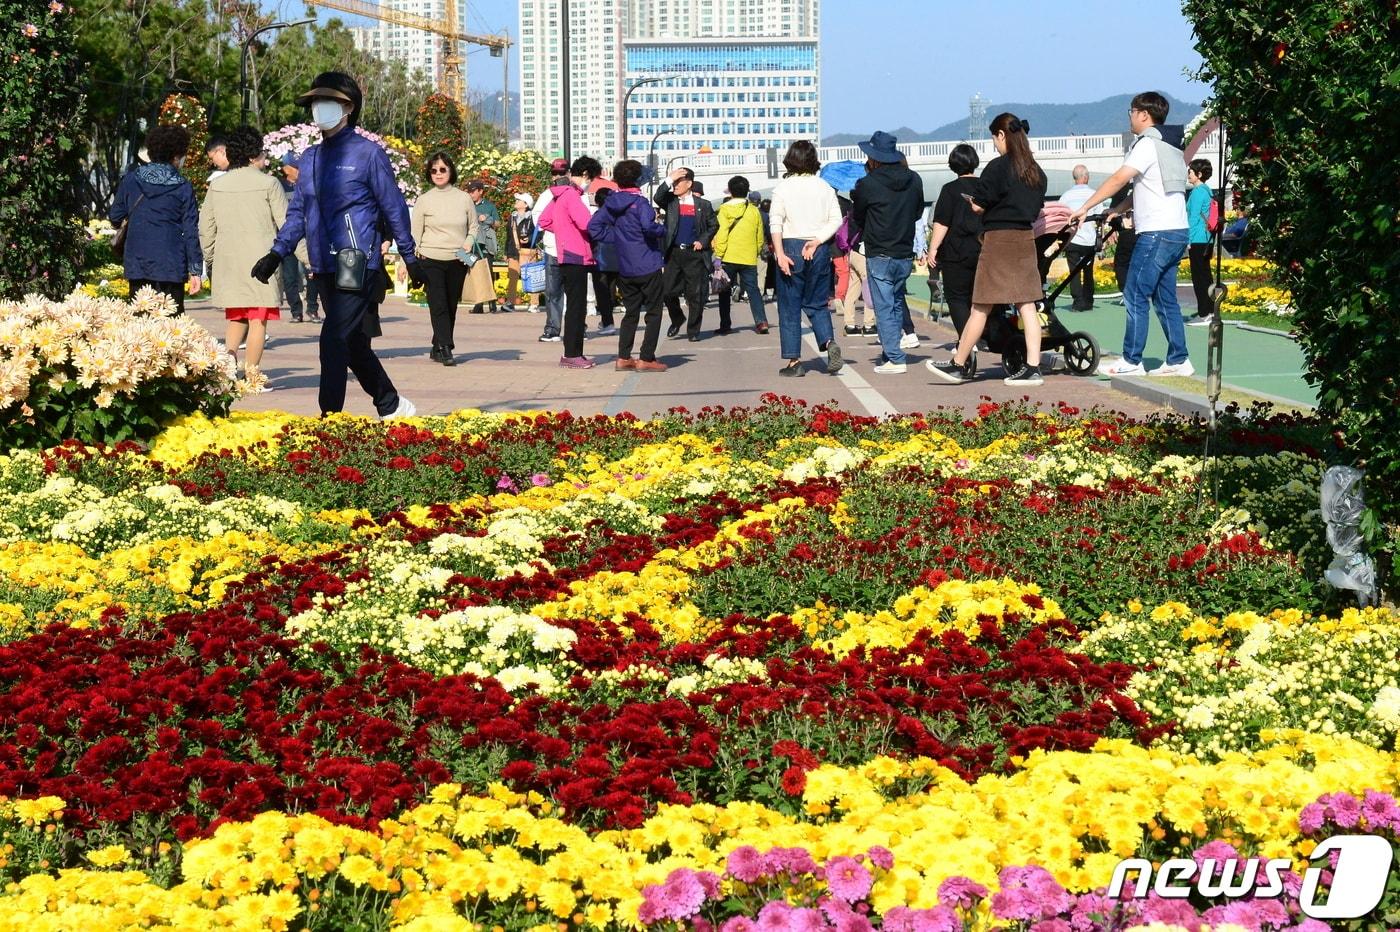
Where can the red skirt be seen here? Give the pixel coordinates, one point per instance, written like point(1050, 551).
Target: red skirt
point(253, 313)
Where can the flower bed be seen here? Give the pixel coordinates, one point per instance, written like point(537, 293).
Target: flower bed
point(734, 667)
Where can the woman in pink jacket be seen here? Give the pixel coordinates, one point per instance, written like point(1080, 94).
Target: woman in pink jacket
point(567, 218)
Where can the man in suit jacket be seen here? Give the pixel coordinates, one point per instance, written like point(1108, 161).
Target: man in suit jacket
point(690, 225)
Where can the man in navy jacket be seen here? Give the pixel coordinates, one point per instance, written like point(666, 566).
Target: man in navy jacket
point(344, 187)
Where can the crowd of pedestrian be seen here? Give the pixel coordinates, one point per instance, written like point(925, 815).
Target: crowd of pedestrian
point(326, 227)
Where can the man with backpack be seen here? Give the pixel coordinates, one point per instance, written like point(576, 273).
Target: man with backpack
point(1158, 173)
point(1203, 216)
point(885, 205)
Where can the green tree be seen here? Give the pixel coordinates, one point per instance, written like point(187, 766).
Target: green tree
point(298, 55)
point(41, 118)
point(135, 54)
point(138, 52)
point(441, 127)
point(1308, 92)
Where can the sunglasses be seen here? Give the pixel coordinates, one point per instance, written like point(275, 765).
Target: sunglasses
point(440, 170)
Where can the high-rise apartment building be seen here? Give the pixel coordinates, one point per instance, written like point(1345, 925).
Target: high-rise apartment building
point(722, 74)
point(422, 52)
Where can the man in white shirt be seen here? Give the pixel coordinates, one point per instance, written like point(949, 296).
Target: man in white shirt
point(1081, 246)
point(1158, 173)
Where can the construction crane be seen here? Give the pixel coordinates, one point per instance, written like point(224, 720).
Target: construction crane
point(449, 76)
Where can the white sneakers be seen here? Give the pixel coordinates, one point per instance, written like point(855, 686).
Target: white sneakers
point(405, 409)
point(891, 368)
point(1123, 367)
point(909, 341)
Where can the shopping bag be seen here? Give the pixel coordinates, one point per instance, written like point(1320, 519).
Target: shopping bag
point(532, 276)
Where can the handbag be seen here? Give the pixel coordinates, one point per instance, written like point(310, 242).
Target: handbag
point(118, 244)
point(848, 235)
point(719, 279)
point(532, 276)
point(350, 263)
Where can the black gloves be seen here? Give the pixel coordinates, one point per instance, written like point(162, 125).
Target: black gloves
point(415, 271)
point(266, 267)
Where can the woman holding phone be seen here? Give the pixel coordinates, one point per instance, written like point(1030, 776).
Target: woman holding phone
point(1008, 197)
point(444, 223)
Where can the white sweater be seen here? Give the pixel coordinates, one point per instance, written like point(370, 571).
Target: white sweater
point(804, 207)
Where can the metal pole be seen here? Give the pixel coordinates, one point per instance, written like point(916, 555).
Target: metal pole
point(505, 94)
point(626, 97)
point(243, 64)
point(651, 185)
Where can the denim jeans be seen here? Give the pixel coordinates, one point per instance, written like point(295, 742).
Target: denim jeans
point(805, 291)
point(747, 275)
point(887, 277)
point(553, 297)
point(1152, 279)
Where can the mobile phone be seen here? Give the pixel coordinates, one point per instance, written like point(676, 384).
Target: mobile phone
point(967, 197)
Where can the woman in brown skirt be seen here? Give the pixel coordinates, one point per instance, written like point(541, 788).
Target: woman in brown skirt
point(1009, 196)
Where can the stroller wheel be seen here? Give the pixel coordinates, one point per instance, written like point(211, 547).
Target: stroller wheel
point(1014, 357)
point(1081, 352)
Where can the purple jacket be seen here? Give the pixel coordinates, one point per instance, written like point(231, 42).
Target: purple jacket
point(346, 175)
point(628, 223)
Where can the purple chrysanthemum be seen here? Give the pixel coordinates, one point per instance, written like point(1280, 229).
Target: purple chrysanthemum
point(847, 878)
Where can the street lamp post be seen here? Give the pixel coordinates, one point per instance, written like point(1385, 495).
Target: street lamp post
point(651, 155)
point(243, 64)
point(628, 96)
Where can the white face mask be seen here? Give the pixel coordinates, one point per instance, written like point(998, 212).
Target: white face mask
point(327, 114)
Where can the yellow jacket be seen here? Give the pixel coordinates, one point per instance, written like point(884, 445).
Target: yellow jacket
point(740, 235)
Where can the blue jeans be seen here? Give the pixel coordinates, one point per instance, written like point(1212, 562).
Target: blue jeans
point(805, 291)
point(747, 275)
point(1152, 279)
point(887, 277)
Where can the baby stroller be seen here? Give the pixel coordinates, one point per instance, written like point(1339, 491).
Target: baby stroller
point(1005, 333)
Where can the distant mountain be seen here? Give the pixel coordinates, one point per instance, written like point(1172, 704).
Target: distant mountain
point(490, 109)
point(1109, 115)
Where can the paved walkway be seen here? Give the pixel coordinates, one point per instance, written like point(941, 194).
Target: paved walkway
point(1269, 365)
point(502, 367)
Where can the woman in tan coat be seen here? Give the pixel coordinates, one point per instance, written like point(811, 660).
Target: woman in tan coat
point(239, 220)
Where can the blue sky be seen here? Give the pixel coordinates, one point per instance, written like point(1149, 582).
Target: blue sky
point(906, 62)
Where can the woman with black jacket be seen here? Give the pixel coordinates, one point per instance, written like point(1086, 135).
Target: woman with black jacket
point(1008, 196)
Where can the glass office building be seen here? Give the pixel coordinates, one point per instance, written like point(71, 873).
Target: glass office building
point(729, 95)
point(738, 75)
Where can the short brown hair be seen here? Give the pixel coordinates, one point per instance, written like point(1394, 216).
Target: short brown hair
point(801, 158)
point(1154, 105)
